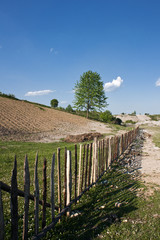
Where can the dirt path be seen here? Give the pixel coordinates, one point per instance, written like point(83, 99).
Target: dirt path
point(150, 161)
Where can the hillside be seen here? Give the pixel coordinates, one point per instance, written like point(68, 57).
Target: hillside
point(24, 121)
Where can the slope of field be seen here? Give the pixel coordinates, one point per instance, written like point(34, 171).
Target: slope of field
point(20, 120)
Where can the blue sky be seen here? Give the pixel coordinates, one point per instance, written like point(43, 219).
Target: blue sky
point(46, 45)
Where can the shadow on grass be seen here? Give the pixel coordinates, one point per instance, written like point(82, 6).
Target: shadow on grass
point(105, 204)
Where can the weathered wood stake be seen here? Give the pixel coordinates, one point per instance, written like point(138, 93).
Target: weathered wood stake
point(14, 203)
point(2, 226)
point(44, 193)
point(36, 196)
point(75, 186)
point(59, 180)
point(69, 180)
point(26, 198)
point(52, 188)
point(79, 177)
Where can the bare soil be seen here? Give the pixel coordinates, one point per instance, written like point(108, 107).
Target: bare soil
point(150, 160)
point(22, 121)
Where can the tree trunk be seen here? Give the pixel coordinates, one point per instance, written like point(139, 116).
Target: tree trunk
point(87, 113)
point(87, 110)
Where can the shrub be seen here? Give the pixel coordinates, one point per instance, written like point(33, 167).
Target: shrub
point(69, 108)
point(106, 116)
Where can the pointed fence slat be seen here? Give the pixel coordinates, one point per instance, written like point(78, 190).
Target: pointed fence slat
point(65, 177)
point(59, 180)
point(44, 193)
point(79, 175)
point(109, 153)
point(52, 188)
point(83, 163)
point(26, 198)
point(107, 148)
point(36, 196)
point(90, 164)
point(86, 172)
point(95, 161)
point(14, 203)
point(99, 153)
point(75, 186)
point(2, 227)
point(69, 180)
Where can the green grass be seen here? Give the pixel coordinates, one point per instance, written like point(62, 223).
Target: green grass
point(99, 218)
point(155, 117)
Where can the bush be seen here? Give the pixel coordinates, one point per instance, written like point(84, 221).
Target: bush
point(130, 121)
point(106, 116)
point(69, 108)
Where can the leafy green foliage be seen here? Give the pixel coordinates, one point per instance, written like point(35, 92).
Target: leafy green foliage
point(89, 92)
point(106, 116)
point(7, 95)
point(130, 121)
point(155, 117)
point(54, 103)
point(69, 108)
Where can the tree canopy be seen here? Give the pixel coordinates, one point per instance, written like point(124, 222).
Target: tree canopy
point(89, 92)
point(54, 103)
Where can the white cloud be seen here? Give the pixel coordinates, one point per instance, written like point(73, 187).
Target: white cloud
point(158, 83)
point(63, 102)
point(51, 50)
point(111, 86)
point(38, 93)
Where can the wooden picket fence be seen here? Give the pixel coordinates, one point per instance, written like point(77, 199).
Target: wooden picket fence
point(94, 160)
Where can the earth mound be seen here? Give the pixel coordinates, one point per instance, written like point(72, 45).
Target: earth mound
point(82, 137)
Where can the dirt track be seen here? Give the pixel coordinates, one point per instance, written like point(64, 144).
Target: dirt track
point(23, 121)
point(150, 162)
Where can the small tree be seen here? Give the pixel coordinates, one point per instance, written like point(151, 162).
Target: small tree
point(54, 103)
point(69, 108)
point(89, 92)
point(106, 116)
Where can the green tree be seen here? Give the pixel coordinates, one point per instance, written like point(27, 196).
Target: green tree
point(89, 92)
point(54, 103)
point(106, 116)
point(69, 108)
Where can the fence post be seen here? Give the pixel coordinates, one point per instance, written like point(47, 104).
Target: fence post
point(75, 188)
point(69, 179)
point(52, 187)
point(95, 175)
point(59, 180)
point(99, 162)
point(79, 177)
point(65, 180)
point(86, 172)
point(26, 198)
point(83, 163)
point(36, 196)
point(106, 162)
point(2, 229)
point(109, 154)
point(14, 203)
point(44, 193)
point(90, 162)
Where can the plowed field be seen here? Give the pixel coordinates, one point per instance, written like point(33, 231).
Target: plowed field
point(23, 121)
